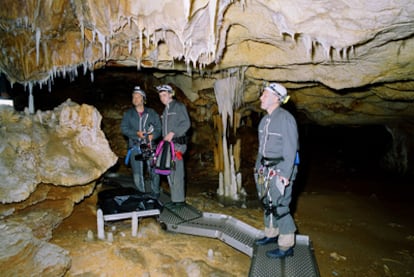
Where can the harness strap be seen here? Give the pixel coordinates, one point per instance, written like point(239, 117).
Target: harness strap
point(128, 156)
point(180, 140)
point(268, 162)
point(270, 209)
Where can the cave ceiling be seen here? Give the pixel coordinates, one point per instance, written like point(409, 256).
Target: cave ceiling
point(346, 61)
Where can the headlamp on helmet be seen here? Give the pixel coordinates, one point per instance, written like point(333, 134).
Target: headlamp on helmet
point(137, 89)
point(278, 90)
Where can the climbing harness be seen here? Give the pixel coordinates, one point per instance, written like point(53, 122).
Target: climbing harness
point(266, 173)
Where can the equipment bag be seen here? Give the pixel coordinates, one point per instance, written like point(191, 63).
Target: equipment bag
point(164, 158)
point(123, 200)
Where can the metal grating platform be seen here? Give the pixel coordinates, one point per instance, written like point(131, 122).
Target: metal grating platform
point(225, 228)
point(241, 236)
point(301, 264)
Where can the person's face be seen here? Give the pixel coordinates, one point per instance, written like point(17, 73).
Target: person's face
point(165, 97)
point(137, 99)
point(268, 100)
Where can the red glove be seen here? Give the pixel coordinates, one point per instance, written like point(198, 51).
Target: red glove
point(179, 155)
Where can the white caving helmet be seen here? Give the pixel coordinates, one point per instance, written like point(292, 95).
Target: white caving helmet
point(137, 89)
point(166, 88)
point(278, 90)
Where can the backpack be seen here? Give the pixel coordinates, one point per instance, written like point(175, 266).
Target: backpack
point(164, 158)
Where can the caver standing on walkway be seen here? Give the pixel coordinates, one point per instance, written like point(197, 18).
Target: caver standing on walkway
point(142, 126)
point(175, 124)
point(275, 170)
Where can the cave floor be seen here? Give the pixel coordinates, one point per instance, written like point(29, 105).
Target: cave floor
point(360, 224)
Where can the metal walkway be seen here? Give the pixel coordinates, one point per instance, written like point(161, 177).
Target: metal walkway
point(239, 235)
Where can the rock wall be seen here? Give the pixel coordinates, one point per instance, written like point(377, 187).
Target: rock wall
point(64, 147)
point(49, 161)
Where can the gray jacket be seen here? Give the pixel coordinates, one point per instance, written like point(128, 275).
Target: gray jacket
point(132, 122)
point(175, 119)
point(278, 138)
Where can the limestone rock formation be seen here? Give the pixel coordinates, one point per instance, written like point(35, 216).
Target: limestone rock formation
point(49, 161)
point(340, 44)
point(64, 147)
point(25, 255)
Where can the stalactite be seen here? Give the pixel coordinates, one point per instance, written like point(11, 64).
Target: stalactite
point(212, 7)
point(307, 41)
point(108, 48)
point(82, 28)
point(236, 121)
point(101, 39)
point(147, 41)
point(140, 39)
point(187, 8)
point(130, 46)
point(38, 35)
point(85, 67)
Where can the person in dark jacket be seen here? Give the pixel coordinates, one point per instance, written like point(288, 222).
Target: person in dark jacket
point(142, 126)
point(175, 124)
point(276, 169)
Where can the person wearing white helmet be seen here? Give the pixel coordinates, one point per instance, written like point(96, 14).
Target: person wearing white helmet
point(275, 170)
point(175, 124)
point(142, 126)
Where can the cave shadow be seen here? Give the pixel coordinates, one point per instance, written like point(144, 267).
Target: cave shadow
point(344, 159)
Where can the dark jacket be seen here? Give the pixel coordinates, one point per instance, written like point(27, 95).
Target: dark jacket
point(132, 122)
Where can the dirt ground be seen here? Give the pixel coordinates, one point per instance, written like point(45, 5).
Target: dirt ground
point(358, 219)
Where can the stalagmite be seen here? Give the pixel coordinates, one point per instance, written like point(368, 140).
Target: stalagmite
point(227, 93)
point(100, 224)
point(31, 99)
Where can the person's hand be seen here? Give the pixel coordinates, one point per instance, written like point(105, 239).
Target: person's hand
point(140, 134)
point(284, 180)
point(169, 136)
point(150, 136)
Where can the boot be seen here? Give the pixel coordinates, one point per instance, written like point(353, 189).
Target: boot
point(265, 240)
point(279, 254)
